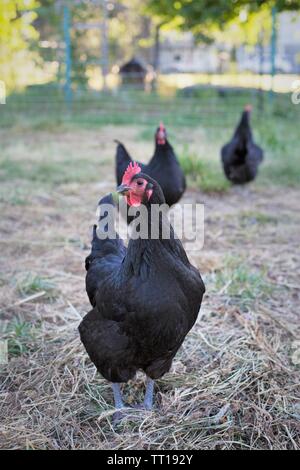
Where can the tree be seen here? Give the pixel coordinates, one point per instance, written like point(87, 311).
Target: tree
point(16, 35)
point(202, 16)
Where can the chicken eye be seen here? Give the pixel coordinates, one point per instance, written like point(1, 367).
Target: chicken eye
point(140, 183)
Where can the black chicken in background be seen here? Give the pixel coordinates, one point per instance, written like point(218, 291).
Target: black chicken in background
point(163, 167)
point(241, 157)
point(145, 298)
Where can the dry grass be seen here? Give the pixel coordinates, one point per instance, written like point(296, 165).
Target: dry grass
point(234, 383)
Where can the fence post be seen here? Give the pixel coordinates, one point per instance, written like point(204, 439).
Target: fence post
point(261, 93)
point(68, 87)
point(273, 51)
point(104, 41)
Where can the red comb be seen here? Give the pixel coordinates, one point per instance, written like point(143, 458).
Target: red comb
point(161, 126)
point(248, 107)
point(132, 170)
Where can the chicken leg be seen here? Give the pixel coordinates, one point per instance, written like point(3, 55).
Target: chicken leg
point(117, 396)
point(119, 404)
point(148, 399)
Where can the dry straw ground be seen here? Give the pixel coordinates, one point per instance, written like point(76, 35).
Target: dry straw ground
point(234, 383)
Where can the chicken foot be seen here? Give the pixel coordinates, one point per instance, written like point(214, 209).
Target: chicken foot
point(119, 404)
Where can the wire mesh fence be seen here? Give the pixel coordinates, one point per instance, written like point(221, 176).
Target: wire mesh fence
point(87, 77)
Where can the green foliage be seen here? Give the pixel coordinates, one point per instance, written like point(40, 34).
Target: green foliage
point(32, 283)
point(245, 285)
point(279, 138)
point(16, 196)
point(256, 218)
point(16, 35)
point(20, 336)
point(206, 16)
point(206, 176)
point(49, 173)
point(250, 27)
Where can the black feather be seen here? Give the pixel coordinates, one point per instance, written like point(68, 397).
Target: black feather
point(163, 168)
point(145, 300)
point(241, 157)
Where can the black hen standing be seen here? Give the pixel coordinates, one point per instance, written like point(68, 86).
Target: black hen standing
point(241, 157)
point(163, 167)
point(145, 298)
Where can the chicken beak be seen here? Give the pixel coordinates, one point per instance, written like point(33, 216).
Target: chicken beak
point(123, 189)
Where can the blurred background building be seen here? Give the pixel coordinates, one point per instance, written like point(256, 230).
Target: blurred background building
point(182, 53)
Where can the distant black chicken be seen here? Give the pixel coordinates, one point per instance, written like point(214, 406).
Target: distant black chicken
point(241, 157)
point(145, 298)
point(163, 167)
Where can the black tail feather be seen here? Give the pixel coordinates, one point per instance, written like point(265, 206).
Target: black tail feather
point(96, 242)
point(105, 239)
point(122, 161)
point(95, 232)
point(96, 246)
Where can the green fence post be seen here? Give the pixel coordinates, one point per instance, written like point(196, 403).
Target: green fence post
point(104, 44)
point(68, 87)
point(273, 51)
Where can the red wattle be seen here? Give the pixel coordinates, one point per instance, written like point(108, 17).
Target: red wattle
point(133, 200)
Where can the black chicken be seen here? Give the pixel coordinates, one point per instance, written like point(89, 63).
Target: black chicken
point(163, 167)
point(145, 298)
point(241, 157)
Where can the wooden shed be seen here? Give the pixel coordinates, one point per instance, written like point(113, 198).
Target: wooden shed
point(133, 72)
